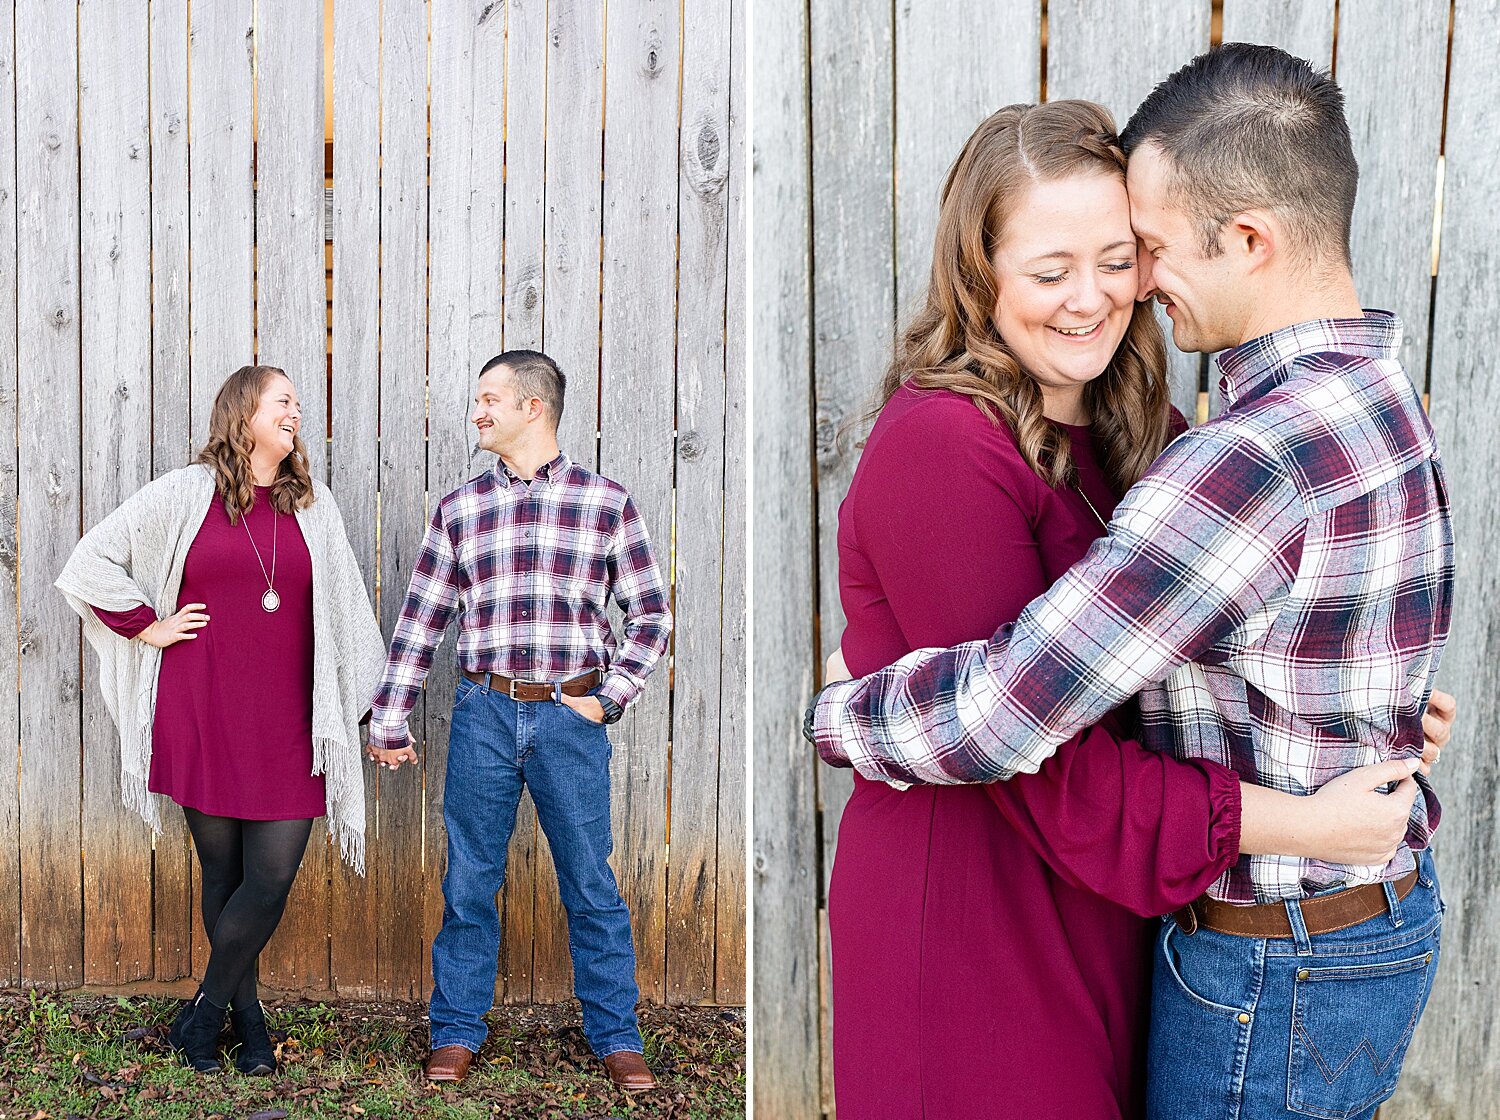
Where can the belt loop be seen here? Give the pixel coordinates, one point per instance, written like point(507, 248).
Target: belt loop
point(1392, 903)
point(1299, 927)
point(557, 692)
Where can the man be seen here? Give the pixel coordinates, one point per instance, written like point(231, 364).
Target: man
point(1277, 589)
point(528, 555)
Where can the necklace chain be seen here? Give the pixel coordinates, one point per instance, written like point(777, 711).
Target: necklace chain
point(275, 524)
point(1102, 523)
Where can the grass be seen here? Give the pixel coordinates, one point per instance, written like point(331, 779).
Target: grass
point(104, 1057)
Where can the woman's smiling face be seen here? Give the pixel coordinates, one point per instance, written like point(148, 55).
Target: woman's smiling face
point(1065, 271)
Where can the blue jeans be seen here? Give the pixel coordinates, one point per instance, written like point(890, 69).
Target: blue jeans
point(496, 746)
point(1252, 1028)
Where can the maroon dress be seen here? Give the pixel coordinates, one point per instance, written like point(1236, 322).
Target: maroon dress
point(991, 954)
point(233, 729)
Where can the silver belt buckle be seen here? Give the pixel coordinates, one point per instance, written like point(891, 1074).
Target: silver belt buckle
point(511, 691)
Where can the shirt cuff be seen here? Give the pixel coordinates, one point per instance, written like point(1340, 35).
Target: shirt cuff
point(388, 738)
point(127, 624)
point(619, 688)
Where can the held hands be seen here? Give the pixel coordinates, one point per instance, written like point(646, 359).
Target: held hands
point(177, 627)
point(588, 707)
point(392, 760)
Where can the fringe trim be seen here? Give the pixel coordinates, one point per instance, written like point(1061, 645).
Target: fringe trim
point(344, 792)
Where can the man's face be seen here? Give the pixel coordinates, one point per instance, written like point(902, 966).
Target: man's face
point(498, 415)
point(1205, 297)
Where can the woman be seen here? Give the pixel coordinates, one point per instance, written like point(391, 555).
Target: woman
point(990, 944)
point(237, 654)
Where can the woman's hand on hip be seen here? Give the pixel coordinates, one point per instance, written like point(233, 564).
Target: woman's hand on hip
point(179, 627)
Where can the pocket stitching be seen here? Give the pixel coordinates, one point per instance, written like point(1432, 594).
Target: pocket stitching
point(1218, 1008)
point(1295, 1102)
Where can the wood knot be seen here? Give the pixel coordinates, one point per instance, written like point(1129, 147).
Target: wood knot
point(690, 446)
point(489, 10)
point(60, 318)
point(52, 141)
point(530, 299)
point(708, 147)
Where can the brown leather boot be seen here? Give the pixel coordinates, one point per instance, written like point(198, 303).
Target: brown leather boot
point(628, 1071)
point(448, 1063)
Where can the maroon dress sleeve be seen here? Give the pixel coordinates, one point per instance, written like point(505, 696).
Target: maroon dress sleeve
point(951, 540)
point(129, 623)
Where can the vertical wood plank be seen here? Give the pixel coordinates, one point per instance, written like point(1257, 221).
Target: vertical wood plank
point(170, 439)
point(571, 330)
point(637, 415)
point(1392, 233)
point(734, 692)
point(1302, 29)
point(403, 363)
point(49, 422)
point(115, 327)
point(10, 713)
point(521, 328)
point(946, 82)
point(1453, 1068)
point(785, 856)
point(1084, 60)
point(172, 881)
point(871, 242)
point(222, 200)
point(292, 329)
point(575, 151)
point(357, 927)
point(466, 212)
point(704, 152)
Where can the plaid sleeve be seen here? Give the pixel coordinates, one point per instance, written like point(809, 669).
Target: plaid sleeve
point(642, 594)
point(1203, 548)
point(431, 600)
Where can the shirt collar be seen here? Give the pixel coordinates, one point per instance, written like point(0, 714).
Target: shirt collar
point(547, 472)
point(1254, 368)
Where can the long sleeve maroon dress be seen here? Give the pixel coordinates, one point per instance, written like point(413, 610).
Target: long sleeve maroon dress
point(991, 954)
point(232, 734)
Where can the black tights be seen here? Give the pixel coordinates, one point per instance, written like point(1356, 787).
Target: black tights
point(248, 869)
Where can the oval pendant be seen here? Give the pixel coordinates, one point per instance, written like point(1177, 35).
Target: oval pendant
point(270, 600)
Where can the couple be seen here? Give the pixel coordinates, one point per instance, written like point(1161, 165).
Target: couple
point(238, 655)
point(1200, 637)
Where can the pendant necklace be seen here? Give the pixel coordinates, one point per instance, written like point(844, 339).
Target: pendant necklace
point(270, 601)
point(1102, 523)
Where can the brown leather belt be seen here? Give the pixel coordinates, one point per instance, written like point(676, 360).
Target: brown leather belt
point(538, 690)
point(1322, 913)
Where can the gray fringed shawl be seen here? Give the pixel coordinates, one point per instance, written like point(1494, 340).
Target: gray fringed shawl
point(136, 555)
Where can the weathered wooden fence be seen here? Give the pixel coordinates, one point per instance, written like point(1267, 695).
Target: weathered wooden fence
point(859, 110)
point(505, 175)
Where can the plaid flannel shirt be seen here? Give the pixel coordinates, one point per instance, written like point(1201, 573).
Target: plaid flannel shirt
point(528, 569)
point(1277, 589)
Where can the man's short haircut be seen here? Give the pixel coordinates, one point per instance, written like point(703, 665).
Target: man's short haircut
point(533, 374)
point(1247, 127)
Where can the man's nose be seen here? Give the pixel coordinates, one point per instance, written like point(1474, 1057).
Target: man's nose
point(1145, 281)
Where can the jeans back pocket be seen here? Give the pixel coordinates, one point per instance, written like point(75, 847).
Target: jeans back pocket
point(1351, 1025)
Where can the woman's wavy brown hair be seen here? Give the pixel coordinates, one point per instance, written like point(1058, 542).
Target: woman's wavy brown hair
point(227, 452)
point(952, 342)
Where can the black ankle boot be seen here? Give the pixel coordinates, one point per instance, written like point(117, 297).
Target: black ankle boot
point(197, 1040)
point(257, 1053)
